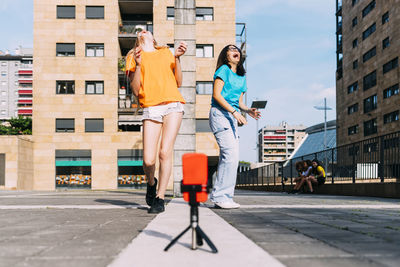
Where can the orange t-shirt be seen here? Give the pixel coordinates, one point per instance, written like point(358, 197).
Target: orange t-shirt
point(158, 83)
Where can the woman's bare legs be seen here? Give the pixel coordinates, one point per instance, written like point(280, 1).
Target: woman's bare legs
point(309, 179)
point(151, 136)
point(170, 129)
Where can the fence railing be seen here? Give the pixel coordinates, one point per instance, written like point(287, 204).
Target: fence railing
point(373, 160)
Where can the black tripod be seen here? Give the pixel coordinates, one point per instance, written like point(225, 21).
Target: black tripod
point(197, 234)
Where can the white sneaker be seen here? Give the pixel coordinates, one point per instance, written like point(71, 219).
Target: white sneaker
point(227, 205)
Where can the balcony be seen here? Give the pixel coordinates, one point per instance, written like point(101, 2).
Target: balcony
point(135, 7)
point(339, 27)
point(25, 72)
point(25, 101)
point(25, 91)
point(25, 80)
point(128, 31)
point(24, 112)
point(23, 66)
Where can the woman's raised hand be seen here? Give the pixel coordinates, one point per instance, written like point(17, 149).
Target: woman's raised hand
point(138, 55)
point(254, 113)
point(240, 119)
point(181, 49)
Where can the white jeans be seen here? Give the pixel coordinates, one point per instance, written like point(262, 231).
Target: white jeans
point(224, 128)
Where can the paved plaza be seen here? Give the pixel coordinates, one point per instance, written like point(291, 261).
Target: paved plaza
point(113, 228)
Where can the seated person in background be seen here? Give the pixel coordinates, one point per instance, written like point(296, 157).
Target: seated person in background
point(304, 170)
point(317, 176)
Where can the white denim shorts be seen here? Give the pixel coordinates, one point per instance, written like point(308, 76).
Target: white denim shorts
point(157, 113)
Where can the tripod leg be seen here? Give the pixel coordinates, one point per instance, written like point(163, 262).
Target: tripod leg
point(205, 237)
point(176, 238)
point(199, 238)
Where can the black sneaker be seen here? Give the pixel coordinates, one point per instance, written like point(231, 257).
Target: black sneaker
point(157, 206)
point(151, 192)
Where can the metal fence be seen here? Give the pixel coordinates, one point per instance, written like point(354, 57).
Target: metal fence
point(373, 160)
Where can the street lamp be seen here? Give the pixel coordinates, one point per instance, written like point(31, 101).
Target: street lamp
point(258, 104)
point(324, 108)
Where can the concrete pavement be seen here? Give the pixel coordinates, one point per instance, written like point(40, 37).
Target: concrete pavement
point(101, 228)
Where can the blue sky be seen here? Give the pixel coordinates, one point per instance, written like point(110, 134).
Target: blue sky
point(291, 57)
point(16, 19)
point(291, 62)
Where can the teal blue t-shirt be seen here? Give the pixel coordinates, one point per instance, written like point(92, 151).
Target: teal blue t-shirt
point(234, 86)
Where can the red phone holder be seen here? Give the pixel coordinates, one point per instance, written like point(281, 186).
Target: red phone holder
point(195, 189)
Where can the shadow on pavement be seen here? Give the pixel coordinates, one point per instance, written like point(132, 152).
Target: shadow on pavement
point(117, 202)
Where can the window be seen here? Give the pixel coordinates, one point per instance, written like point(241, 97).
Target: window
point(65, 125)
point(65, 12)
point(368, 8)
point(391, 91)
point(204, 50)
point(394, 63)
point(94, 87)
point(204, 13)
point(371, 29)
point(65, 87)
point(354, 21)
point(386, 43)
point(4, 93)
point(355, 43)
point(355, 64)
point(204, 88)
point(3, 63)
point(385, 18)
point(391, 117)
point(352, 109)
point(369, 80)
point(4, 73)
point(95, 50)
point(352, 88)
point(65, 50)
point(370, 103)
point(352, 130)
point(94, 125)
point(370, 127)
point(170, 13)
point(369, 54)
point(3, 102)
point(354, 2)
point(203, 126)
point(95, 12)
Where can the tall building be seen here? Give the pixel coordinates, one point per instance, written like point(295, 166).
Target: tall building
point(277, 143)
point(368, 76)
point(85, 129)
point(16, 84)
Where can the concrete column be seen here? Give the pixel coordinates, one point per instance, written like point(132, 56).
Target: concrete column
point(185, 30)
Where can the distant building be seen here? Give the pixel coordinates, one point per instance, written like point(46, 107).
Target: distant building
point(367, 86)
point(277, 143)
point(16, 84)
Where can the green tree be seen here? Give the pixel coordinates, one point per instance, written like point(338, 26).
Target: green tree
point(19, 125)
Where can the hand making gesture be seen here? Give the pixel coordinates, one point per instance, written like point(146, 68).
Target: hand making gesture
point(181, 49)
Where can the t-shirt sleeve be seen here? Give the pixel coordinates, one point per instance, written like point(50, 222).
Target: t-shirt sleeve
point(222, 73)
point(245, 85)
point(321, 171)
point(130, 63)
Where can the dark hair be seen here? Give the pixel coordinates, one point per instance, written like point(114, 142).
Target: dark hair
point(314, 170)
point(223, 60)
point(299, 166)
